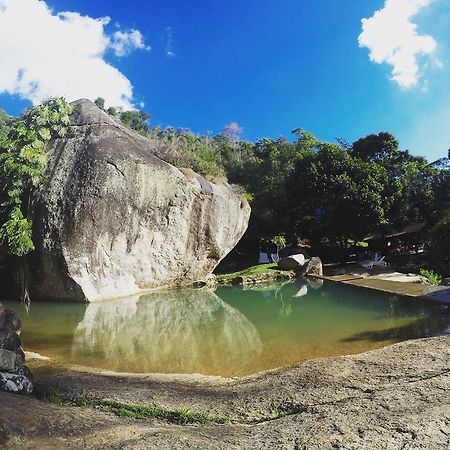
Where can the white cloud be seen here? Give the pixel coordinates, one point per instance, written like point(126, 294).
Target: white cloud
point(169, 43)
point(43, 54)
point(124, 43)
point(233, 130)
point(392, 38)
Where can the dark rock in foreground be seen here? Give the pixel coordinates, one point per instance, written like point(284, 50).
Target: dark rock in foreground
point(113, 219)
point(19, 382)
point(14, 376)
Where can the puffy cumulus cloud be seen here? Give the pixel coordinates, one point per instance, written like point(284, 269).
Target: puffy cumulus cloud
point(124, 43)
point(392, 38)
point(43, 54)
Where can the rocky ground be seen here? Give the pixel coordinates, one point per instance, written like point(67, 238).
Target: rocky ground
point(393, 398)
point(384, 279)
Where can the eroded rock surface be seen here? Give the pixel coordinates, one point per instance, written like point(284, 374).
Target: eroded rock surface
point(392, 398)
point(113, 219)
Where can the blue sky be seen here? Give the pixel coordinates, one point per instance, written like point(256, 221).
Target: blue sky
point(270, 66)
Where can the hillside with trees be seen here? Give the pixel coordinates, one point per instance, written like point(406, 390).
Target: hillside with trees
point(304, 189)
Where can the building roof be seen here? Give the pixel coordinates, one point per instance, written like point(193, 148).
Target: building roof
point(408, 229)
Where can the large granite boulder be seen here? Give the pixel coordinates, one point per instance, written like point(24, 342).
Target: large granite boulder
point(113, 219)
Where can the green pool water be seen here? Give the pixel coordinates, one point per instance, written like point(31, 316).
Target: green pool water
point(229, 331)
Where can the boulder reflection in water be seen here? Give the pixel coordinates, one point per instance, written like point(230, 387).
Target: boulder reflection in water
point(188, 331)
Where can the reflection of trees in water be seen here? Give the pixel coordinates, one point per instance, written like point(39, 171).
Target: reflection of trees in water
point(287, 293)
point(306, 283)
point(176, 331)
point(434, 321)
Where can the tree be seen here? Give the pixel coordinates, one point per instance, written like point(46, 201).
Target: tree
point(100, 102)
point(375, 147)
point(22, 162)
point(137, 120)
point(279, 241)
point(441, 194)
point(408, 190)
point(336, 196)
point(439, 246)
point(4, 125)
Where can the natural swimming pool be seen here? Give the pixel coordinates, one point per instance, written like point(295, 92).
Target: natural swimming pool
point(230, 331)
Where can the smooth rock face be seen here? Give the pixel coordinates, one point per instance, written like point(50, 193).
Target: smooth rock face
point(113, 219)
point(292, 262)
point(314, 266)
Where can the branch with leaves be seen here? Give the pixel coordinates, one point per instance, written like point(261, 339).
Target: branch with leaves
point(22, 164)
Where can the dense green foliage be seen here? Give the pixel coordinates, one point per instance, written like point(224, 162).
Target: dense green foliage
point(4, 125)
point(184, 149)
point(312, 190)
point(22, 160)
point(135, 119)
point(439, 246)
point(300, 190)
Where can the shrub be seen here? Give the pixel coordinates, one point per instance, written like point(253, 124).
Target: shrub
point(22, 163)
point(433, 278)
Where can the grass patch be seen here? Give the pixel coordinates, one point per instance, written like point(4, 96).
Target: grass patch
point(259, 269)
point(179, 416)
point(58, 397)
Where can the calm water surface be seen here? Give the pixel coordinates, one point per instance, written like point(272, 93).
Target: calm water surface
point(226, 332)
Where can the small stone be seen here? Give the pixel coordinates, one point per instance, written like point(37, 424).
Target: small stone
point(5, 333)
point(20, 357)
point(8, 361)
point(446, 282)
point(20, 382)
point(12, 342)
